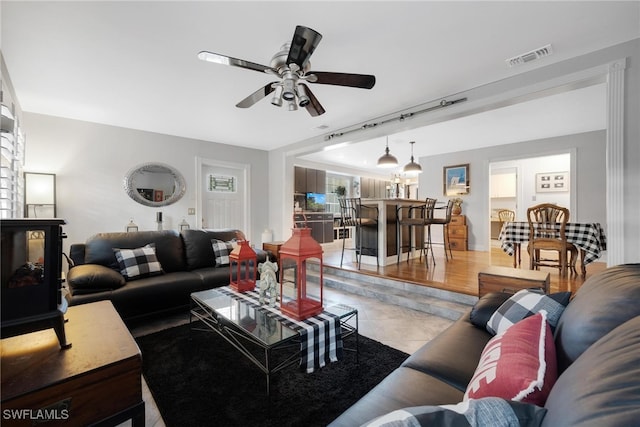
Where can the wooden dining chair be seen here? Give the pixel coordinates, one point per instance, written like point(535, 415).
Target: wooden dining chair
point(507, 215)
point(547, 232)
point(354, 214)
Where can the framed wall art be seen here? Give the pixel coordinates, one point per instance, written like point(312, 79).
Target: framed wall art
point(456, 180)
point(552, 182)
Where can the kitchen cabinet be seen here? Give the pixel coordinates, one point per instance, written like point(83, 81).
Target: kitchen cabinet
point(299, 180)
point(365, 188)
point(316, 181)
point(321, 225)
point(308, 180)
point(373, 188)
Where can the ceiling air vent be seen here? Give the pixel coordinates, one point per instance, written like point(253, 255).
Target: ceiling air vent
point(541, 52)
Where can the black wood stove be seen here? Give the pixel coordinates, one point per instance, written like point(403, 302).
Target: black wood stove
point(31, 252)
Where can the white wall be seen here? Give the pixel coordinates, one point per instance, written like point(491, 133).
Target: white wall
point(91, 160)
point(532, 166)
point(527, 195)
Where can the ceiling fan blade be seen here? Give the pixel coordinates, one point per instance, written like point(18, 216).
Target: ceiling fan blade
point(256, 96)
point(304, 42)
point(313, 107)
point(363, 81)
point(234, 62)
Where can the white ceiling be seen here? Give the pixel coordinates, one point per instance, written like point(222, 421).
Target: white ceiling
point(567, 113)
point(134, 64)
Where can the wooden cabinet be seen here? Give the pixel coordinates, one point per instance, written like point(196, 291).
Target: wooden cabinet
point(274, 249)
point(309, 180)
point(327, 229)
point(95, 381)
point(312, 186)
point(512, 280)
point(365, 188)
point(321, 225)
point(373, 188)
point(458, 233)
point(321, 181)
point(300, 179)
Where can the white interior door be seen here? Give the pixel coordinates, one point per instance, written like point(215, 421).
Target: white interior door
point(223, 196)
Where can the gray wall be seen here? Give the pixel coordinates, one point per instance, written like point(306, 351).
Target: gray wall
point(588, 175)
point(91, 160)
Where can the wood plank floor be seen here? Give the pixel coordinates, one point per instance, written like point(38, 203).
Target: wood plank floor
point(459, 274)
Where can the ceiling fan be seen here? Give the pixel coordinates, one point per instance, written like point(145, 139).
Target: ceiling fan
point(291, 65)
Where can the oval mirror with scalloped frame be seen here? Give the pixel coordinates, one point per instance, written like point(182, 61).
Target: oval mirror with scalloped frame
point(154, 184)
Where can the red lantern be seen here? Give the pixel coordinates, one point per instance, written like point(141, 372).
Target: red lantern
point(295, 255)
point(242, 260)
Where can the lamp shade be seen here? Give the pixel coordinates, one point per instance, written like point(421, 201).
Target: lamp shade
point(412, 167)
point(387, 160)
point(40, 188)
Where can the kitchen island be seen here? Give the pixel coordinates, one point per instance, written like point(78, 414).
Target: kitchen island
point(387, 235)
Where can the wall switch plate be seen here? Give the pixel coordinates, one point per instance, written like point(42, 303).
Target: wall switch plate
point(191, 211)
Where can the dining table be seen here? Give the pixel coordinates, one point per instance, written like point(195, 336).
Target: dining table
point(588, 237)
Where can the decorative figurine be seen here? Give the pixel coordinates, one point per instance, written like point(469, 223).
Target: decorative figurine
point(268, 283)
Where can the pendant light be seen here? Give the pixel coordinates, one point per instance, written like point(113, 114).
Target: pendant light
point(387, 160)
point(412, 167)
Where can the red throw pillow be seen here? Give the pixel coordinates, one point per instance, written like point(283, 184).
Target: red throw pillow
point(518, 364)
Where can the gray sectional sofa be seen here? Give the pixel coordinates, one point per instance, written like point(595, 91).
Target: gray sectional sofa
point(597, 348)
point(187, 260)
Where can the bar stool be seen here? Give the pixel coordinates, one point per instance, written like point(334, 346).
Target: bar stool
point(351, 211)
point(417, 216)
point(445, 230)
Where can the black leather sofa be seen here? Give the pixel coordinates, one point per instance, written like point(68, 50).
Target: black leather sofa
point(187, 260)
point(597, 342)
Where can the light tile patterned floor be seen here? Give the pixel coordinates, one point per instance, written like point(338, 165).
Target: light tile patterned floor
point(397, 327)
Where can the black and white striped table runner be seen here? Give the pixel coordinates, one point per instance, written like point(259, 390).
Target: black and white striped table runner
point(320, 336)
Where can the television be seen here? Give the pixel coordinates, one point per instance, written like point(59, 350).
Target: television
point(315, 202)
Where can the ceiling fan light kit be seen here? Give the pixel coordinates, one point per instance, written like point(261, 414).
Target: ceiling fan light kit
point(412, 167)
point(291, 65)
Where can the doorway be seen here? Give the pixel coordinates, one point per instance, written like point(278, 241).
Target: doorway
point(520, 183)
point(222, 195)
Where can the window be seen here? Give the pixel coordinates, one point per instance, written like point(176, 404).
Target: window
point(333, 182)
point(11, 164)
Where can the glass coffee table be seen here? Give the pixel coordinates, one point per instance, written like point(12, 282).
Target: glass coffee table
point(262, 336)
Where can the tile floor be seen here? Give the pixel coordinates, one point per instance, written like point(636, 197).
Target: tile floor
point(397, 327)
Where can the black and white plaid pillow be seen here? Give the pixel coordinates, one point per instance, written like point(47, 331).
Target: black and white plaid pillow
point(221, 251)
point(526, 303)
point(139, 262)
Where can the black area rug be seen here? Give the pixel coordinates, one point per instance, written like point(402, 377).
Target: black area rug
point(198, 379)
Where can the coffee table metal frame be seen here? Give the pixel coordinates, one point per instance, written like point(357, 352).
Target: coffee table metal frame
point(214, 310)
